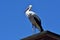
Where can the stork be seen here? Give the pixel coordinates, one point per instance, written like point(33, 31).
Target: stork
point(34, 19)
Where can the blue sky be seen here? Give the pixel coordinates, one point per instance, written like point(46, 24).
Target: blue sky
point(14, 24)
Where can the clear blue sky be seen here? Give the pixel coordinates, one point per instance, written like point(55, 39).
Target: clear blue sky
point(14, 24)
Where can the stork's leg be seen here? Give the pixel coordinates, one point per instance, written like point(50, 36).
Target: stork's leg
point(33, 29)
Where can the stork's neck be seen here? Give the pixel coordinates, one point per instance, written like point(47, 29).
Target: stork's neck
point(27, 12)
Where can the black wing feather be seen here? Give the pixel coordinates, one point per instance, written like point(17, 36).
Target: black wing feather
point(39, 23)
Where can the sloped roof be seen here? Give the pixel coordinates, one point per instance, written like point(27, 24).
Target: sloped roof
point(43, 35)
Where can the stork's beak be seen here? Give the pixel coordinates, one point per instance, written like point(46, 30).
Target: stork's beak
point(26, 10)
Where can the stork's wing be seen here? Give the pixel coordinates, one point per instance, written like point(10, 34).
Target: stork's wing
point(37, 19)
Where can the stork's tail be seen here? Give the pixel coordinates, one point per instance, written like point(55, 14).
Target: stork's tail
point(40, 28)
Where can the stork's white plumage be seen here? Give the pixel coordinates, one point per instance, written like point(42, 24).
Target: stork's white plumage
point(34, 19)
point(28, 11)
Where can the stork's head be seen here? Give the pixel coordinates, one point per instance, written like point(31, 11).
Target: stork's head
point(28, 8)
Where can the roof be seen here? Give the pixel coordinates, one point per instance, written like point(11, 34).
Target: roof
point(43, 35)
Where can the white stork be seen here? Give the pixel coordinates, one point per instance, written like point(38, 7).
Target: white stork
point(34, 19)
